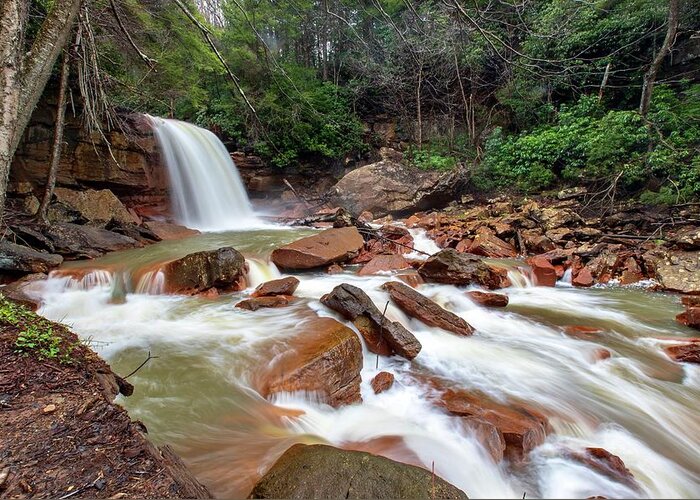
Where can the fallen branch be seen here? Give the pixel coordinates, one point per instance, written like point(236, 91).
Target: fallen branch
point(151, 63)
point(141, 365)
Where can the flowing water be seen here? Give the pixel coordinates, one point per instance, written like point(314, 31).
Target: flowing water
point(206, 190)
point(200, 393)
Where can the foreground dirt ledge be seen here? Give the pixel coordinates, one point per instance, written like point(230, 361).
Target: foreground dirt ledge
point(61, 433)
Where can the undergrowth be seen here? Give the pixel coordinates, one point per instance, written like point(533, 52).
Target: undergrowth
point(36, 336)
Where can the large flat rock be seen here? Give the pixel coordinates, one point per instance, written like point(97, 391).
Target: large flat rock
point(320, 471)
point(327, 247)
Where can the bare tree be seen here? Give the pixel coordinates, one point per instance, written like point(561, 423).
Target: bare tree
point(650, 75)
point(24, 74)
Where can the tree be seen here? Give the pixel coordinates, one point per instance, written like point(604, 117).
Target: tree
point(24, 73)
point(650, 75)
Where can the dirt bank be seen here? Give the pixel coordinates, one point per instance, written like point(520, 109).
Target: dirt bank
point(62, 436)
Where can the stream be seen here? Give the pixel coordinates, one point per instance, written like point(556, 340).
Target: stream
point(198, 394)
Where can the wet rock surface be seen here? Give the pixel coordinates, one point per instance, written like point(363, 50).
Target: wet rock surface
point(452, 267)
point(256, 303)
point(382, 382)
point(320, 471)
point(422, 308)
point(382, 336)
point(328, 247)
point(488, 299)
point(18, 259)
point(325, 359)
point(197, 272)
point(282, 286)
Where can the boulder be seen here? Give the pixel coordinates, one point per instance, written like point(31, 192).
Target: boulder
point(382, 382)
point(283, 286)
point(582, 278)
point(675, 271)
point(605, 463)
point(197, 272)
point(388, 187)
point(690, 317)
point(320, 471)
point(95, 206)
point(543, 272)
point(488, 299)
point(687, 239)
point(384, 263)
point(488, 435)
point(382, 336)
point(523, 429)
point(18, 291)
point(451, 267)
point(326, 359)
point(328, 247)
point(263, 302)
point(77, 241)
point(18, 259)
point(411, 278)
point(684, 353)
point(690, 300)
point(490, 245)
point(422, 308)
point(167, 231)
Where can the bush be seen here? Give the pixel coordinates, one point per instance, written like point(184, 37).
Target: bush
point(587, 144)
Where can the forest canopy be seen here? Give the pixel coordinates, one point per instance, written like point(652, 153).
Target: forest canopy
point(528, 95)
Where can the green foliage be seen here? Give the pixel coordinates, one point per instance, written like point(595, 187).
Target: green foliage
point(587, 143)
point(429, 158)
point(36, 335)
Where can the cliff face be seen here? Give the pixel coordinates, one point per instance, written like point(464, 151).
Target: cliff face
point(131, 167)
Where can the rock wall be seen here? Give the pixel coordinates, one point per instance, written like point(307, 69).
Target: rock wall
point(132, 166)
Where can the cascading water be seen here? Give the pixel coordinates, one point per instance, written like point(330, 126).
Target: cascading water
point(205, 188)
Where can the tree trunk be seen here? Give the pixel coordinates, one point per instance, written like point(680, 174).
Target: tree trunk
point(12, 20)
point(24, 74)
point(419, 115)
point(57, 139)
point(650, 75)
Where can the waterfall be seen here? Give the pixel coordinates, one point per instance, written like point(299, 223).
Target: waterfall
point(206, 190)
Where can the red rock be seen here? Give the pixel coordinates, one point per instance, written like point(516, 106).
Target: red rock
point(583, 278)
point(632, 273)
point(684, 353)
point(605, 463)
point(212, 293)
point(463, 245)
point(422, 308)
point(197, 272)
point(334, 269)
point(451, 267)
point(488, 299)
point(168, 231)
point(690, 317)
point(330, 246)
point(412, 221)
point(382, 263)
point(599, 354)
point(283, 286)
point(412, 279)
point(365, 216)
point(488, 435)
point(543, 271)
point(490, 245)
point(582, 331)
point(260, 302)
point(690, 300)
point(522, 429)
point(382, 382)
point(382, 336)
point(560, 270)
point(326, 359)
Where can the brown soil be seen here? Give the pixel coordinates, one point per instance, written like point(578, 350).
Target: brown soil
point(62, 436)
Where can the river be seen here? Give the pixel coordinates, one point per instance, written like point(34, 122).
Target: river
point(199, 394)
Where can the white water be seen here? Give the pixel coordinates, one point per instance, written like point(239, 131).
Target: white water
point(206, 190)
point(199, 395)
